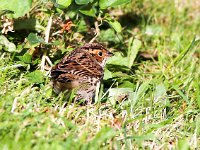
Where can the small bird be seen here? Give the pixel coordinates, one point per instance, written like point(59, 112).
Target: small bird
point(81, 70)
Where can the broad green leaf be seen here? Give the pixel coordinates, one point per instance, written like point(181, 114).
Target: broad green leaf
point(28, 24)
point(107, 74)
point(88, 12)
point(105, 3)
point(26, 58)
point(81, 2)
point(115, 25)
point(82, 27)
point(120, 2)
point(19, 7)
point(126, 84)
point(33, 39)
point(109, 35)
point(7, 45)
point(134, 46)
point(64, 3)
point(118, 59)
point(59, 7)
point(183, 144)
point(3, 12)
point(112, 3)
point(35, 77)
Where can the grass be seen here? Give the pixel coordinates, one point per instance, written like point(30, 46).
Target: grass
point(159, 108)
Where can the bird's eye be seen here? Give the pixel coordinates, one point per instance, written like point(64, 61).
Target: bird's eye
point(100, 53)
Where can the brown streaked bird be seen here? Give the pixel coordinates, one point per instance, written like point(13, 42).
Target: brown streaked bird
point(81, 70)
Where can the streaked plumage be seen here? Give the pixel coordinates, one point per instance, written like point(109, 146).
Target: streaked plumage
point(81, 70)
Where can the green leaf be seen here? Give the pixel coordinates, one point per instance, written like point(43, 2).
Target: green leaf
point(26, 58)
point(7, 45)
point(126, 84)
point(81, 2)
point(28, 24)
point(35, 77)
point(59, 7)
point(64, 3)
point(19, 7)
point(3, 12)
point(134, 46)
point(115, 25)
point(109, 35)
point(82, 26)
point(33, 39)
point(107, 74)
point(118, 59)
point(112, 3)
point(183, 144)
point(88, 12)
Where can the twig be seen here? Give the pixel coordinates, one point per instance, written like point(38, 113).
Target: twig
point(46, 39)
point(97, 31)
point(47, 31)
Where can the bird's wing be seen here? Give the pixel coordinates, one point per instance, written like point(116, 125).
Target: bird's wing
point(76, 65)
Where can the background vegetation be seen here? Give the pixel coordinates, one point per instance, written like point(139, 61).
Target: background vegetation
point(150, 96)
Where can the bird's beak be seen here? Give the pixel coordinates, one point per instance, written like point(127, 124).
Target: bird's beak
point(109, 54)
